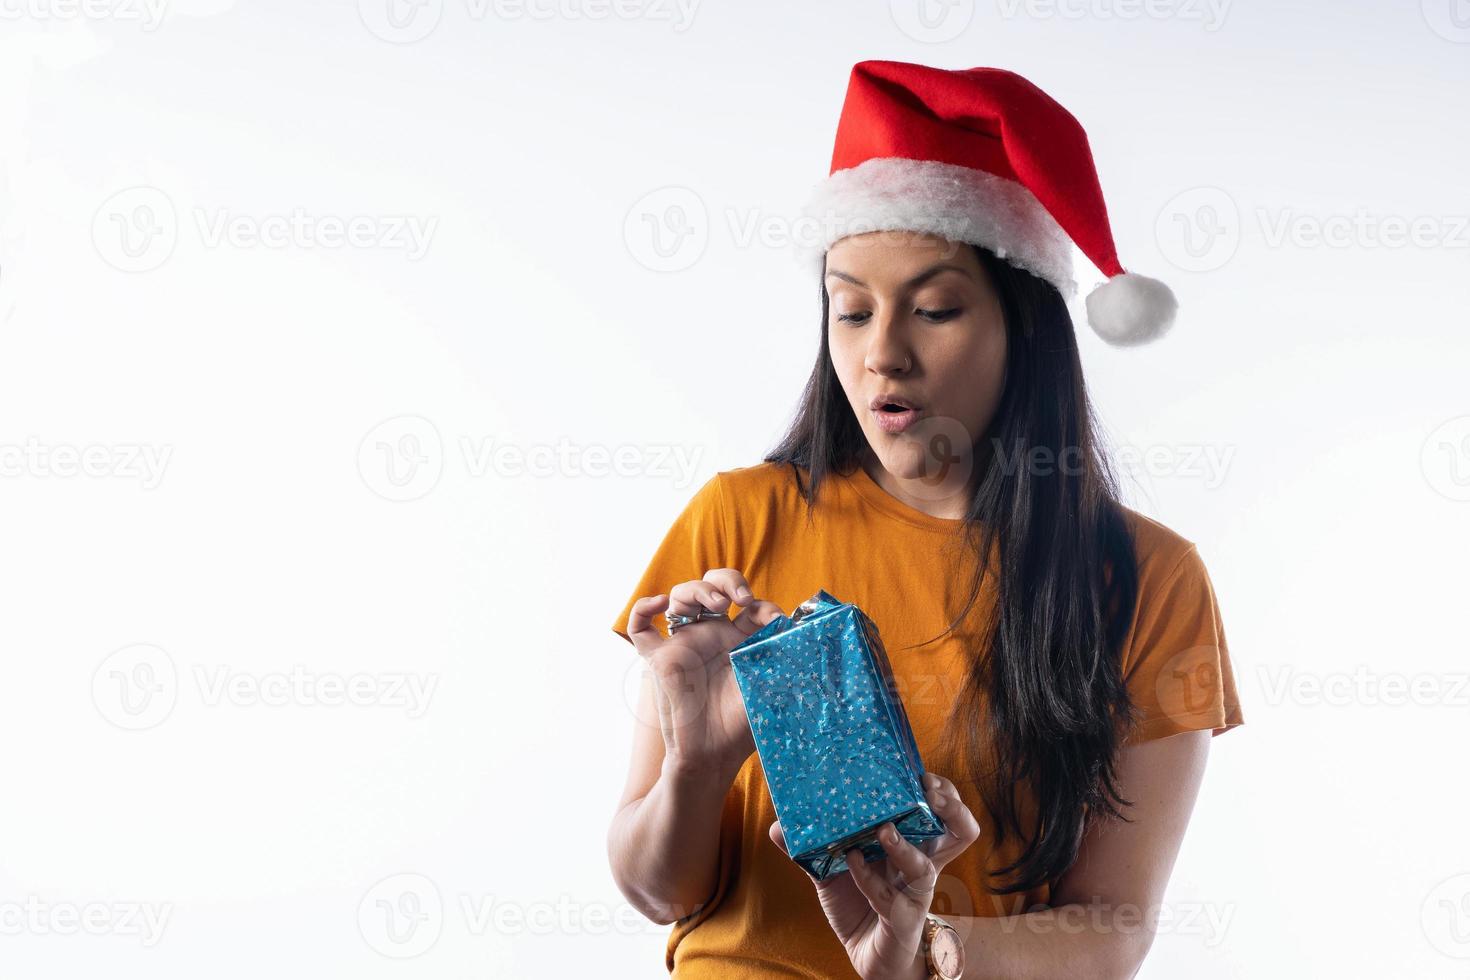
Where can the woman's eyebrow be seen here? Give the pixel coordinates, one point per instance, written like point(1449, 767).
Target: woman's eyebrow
point(918, 280)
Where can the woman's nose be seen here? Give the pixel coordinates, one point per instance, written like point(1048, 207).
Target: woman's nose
point(888, 350)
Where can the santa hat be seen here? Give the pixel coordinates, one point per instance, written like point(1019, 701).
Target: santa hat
point(982, 156)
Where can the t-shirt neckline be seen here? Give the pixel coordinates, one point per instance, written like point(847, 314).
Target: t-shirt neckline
point(884, 501)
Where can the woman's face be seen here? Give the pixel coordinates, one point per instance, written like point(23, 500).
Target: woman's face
point(914, 317)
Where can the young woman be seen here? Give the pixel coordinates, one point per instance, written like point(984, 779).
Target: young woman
point(1060, 656)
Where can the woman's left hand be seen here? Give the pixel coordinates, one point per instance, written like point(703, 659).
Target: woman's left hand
point(877, 910)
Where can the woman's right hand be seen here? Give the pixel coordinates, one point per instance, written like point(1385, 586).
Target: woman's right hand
point(701, 714)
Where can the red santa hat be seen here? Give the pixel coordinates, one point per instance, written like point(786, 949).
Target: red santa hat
point(983, 156)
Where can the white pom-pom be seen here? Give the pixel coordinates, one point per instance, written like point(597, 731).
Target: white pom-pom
point(1129, 310)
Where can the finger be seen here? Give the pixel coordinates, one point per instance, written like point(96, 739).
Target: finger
point(757, 615)
point(918, 869)
point(872, 882)
point(684, 677)
point(686, 598)
point(911, 889)
point(652, 689)
point(731, 582)
point(645, 635)
point(961, 827)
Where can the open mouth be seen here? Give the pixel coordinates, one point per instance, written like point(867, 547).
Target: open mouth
point(894, 418)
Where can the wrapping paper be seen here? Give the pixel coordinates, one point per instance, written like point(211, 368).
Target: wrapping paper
point(832, 735)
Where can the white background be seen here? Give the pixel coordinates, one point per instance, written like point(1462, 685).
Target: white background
point(239, 470)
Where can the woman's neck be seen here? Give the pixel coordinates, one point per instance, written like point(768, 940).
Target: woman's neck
point(927, 494)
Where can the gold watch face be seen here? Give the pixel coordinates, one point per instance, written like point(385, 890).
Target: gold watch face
point(948, 953)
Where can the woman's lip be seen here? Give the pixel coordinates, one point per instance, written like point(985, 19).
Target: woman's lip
point(895, 422)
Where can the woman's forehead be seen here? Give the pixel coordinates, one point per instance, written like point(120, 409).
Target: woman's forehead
point(875, 264)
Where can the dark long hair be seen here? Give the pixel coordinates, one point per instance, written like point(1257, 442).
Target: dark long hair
point(1044, 704)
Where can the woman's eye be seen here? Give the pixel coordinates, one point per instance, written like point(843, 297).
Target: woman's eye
point(933, 316)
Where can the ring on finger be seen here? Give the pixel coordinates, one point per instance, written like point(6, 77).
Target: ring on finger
point(902, 884)
point(677, 621)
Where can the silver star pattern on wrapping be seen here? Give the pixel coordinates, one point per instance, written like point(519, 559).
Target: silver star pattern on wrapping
point(833, 739)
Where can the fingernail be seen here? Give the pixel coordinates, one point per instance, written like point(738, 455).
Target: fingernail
point(744, 594)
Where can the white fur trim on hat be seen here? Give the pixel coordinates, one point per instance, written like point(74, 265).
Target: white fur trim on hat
point(959, 203)
point(1128, 309)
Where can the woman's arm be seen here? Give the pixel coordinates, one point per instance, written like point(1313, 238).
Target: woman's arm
point(1105, 907)
point(663, 844)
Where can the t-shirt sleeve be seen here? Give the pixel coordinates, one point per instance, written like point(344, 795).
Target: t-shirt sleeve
point(695, 543)
point(1177, 667)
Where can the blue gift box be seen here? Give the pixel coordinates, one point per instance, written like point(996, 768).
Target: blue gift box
point(832, 735)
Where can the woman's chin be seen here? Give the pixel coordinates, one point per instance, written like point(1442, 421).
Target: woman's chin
point(902, 462)
point(905, 457)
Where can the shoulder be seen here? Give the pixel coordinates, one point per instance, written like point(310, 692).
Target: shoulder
point(761, 475)
point(742, 500)
point(770, 483)
point(1175, 608)
point(761, 504)
point(1175, 658)
point(1161, 552)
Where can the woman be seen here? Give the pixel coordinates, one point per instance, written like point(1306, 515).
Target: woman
point(1060, 656)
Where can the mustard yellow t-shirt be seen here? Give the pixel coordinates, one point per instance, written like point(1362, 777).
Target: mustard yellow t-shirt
point(903, 568)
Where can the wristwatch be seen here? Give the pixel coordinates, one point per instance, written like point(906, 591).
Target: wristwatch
point(944, 952)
